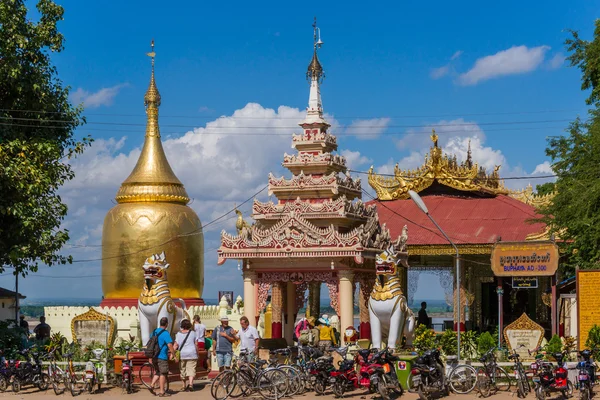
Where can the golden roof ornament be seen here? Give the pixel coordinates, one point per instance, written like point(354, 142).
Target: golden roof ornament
point(152, 179)
point(466, 176)
point(315, 70)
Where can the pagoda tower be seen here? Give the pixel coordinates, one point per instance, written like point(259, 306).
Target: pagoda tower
point(151, 216)
point(318, 231)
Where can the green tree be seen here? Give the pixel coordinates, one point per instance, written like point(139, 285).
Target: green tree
point(575, 210)
point(37, 137)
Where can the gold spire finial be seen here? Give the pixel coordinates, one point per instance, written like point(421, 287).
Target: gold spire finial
point(152, 179)
point(315, 70)
point(434, 138)
point(152, 97)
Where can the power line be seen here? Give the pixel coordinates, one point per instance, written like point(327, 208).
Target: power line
point(465, 124)
point(194, 232)
point(140, 115)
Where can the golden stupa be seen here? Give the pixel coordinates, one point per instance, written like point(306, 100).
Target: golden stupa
point(152, 216)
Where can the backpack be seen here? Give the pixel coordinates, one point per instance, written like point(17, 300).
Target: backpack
point(152, 347)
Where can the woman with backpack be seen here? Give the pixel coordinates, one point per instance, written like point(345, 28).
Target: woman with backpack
point(185, 344)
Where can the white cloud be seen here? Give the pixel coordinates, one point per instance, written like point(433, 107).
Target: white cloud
point(456, 55)
point(454, 138)
point(516, 60)
point(445, 129)
point(354, 159)
point(557, 61)
point(103, 97)
point(543, 169)
point(367, 128)
point(437, 73)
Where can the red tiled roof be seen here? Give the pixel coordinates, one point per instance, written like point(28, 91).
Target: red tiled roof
point(467, 220)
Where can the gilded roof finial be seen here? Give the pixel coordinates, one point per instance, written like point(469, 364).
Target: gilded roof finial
point(152, 96)
point(434, 138)
point(469, 162)
point(315, 70)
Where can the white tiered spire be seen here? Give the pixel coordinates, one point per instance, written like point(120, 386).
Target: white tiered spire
point(314, 112)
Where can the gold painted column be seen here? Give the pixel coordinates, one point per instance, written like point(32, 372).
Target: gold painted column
point(346, 299)
point(250, 296)
point(290, 313)
point(277, 302)
point(313, 308)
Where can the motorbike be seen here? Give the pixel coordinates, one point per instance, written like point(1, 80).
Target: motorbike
point(383, 374)
point(28, 373)
point(127, 372)
point(93, 372)
point(345, 378)
point(319, 373)
point(428, 375)
point(586, 376)
point(549, 378)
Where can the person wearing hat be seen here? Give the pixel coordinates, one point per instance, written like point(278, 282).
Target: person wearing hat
point(326, 335)
point(223, 337)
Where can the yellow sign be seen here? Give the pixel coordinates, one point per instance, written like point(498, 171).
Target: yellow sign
point(588, 304)
point(518, 259)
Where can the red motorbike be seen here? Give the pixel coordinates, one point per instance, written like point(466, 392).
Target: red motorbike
point(377, 372)
point(549, 378)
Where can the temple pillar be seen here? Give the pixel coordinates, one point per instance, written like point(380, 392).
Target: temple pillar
point(250, 296)
point(277, 303)
point(313, 308)
point(290, 313)
point(364, 328)
point(346, 300)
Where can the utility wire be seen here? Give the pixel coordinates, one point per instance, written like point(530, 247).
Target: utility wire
point(140, 115)
point(194, 232)
point(465, 124)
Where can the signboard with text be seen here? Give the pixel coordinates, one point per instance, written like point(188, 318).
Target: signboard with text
point(588, 304)
point(518, 259)
point(525, 283)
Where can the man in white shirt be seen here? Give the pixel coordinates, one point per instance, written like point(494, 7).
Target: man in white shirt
point(248, 336)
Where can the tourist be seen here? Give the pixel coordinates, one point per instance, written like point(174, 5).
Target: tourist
point(42, 330)
point(161, 362)
point(223, 337)
point(315, 332)
point(249, 337)
point(326, 335)
point(301, 326)
point(200, 330)
point(24, 324)
point(185, 342)
point(423, 317)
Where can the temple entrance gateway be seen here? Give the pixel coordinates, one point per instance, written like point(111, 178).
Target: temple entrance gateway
point(319, 231)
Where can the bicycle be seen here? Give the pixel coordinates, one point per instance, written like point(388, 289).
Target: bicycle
point(523, 386)
point(491, 376)
point(462, 379)
point(247, 378)
point(147, 373)
point(74, 383)
point(56, 374)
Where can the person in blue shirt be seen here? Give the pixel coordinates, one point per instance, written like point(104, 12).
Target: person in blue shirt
point(161, 363)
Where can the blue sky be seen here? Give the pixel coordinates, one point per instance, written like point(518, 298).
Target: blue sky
point(491, 73)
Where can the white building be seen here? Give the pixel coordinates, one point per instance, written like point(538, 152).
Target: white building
point(7, 304)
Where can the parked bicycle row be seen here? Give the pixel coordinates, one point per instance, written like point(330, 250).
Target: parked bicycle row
point(296, 370)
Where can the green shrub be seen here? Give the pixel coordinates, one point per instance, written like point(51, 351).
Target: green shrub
point(468, 345)
point(424, 339)
point(593, 340)
point(485, 343)
point(554, 346)
point(447, 341)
